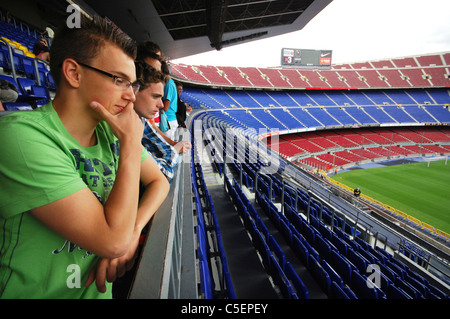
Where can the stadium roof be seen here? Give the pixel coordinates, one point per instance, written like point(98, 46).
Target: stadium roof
point(187, 27)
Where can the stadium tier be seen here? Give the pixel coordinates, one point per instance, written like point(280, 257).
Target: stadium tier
point(290, 112)
point(18, 65)
point(358, 113)
point(410, 72)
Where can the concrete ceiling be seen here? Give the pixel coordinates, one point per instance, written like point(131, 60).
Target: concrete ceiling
point(187, 27)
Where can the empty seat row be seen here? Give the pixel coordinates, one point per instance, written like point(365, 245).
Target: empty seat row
point(385, 75)
point(274, 259)
point(13, 61)
point(28, 92)
point(308, 253)
point(348, 261)
point(208, 229)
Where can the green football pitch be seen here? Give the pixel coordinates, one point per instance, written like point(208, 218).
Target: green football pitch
point(419, 190)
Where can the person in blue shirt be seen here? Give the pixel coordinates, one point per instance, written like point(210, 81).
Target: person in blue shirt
point(170, 101)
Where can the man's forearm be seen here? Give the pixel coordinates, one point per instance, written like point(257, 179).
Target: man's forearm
point(154, 195)
point(121, 206)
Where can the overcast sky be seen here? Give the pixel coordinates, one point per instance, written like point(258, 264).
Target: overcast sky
point(355, 30)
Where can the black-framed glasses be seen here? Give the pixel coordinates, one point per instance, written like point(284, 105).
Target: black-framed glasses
point(119, 81)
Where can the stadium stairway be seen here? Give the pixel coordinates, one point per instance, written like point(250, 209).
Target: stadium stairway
point(250, 280)
point(314, 290)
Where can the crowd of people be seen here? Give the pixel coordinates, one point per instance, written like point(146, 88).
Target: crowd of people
point(85, 173)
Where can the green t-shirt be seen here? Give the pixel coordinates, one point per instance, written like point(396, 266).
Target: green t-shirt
point(41, 162)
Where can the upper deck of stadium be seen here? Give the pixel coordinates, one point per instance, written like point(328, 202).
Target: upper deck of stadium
point(421, 71)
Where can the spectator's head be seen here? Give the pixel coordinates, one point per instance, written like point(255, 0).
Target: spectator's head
point(150, 53)
point(43, 42)
point(149, 97)
point(165, 68)
point(148, 47)
point(83, 44)
point(179, 88)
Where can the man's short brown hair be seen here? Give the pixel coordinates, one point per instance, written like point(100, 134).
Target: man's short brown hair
point(84, 43)
point(146, 75)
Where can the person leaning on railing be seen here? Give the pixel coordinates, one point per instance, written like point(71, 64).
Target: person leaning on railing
point(69, 205)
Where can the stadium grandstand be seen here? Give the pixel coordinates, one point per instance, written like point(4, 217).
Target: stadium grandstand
point(252, 212)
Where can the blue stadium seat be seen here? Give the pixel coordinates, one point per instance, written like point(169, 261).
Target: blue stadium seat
point(393, 292)
point(205, 280)
point(362, 243)
point(353, 245)
point(341, 266)
point(278, 252)
point(322, 247)
point(319, 274)
point(248, 222)
point(39, 91)
point(369, 257)
point(296, 220)
point(308, 233)
point(385, 281)
point(300, 250)
point(203, 245)
point(337, 292)
point(342, 116)
point(17, 62)
point(422, 288)
point(262, 228)
point(50, 82)
point(400, 272)
point(286, 231)
point(262, 247)
point(30, 90)
point(349, 292)
point(401, 265)
point(13, 81)
point(340, 244)
point(4, 61)
point(325, 231)
point(300, 288)
point(408, 289)
point(383, 252)
point(28, 68)
point(359, 285)
point(357, 260)
point(311, 249)
point(252, 211)
point(294, 231)
point(205, 276)
point(334, 276)
point(240, 206)
point(438, 293)
point(389, 273)
point(227, 276)
point(280, 278)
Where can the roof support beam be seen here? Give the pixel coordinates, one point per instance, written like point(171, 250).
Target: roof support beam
point(267, 16)
point(216, 11)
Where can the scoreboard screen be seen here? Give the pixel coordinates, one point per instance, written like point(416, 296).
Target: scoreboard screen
point(305, 58)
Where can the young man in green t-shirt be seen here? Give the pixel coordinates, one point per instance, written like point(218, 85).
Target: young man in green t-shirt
point(70, 172)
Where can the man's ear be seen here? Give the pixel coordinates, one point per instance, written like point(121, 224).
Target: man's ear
point(71, 72)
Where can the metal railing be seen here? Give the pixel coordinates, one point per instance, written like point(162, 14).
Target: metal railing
point(167, 268)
